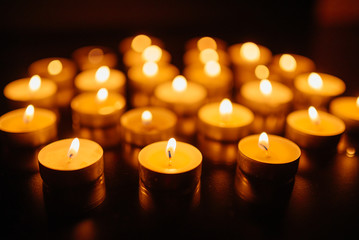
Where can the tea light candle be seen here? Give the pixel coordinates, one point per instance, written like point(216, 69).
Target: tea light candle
point(317, 89)
point(97, 109)
point(249, 54)
point(142, 126)
point(224, 121)
point(347, 109)
point(171, 166)
point(71, 163)
point(314, 129)
point(268, 157)
point(206, 42)
point(103, 77)
point(138, 43)
point(34, 90)
point(152, 53)
point(89, 57)
point(197, 57)
point(29, 126)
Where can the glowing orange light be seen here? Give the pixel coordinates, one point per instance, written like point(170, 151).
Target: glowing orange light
point(179, 83)
point(315, 81)
point(29, 114)
point(287, 63)
point(102, 95)
point(250, 51)
point(150, 69)
point(313, 115)
point(74, 148)
point(102, 74)
point(265, 87)
point(263, 141)
point(212, 68)
point(146, 117)
point(35, 83)
point(206, 42)
point(225, 109)
point(207, 55)
point(140, 42)
point(152, 53)
point(96, 55)
point(261, 72)
point(54, 67)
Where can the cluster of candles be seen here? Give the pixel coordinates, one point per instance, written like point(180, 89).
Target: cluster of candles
point(280, 95)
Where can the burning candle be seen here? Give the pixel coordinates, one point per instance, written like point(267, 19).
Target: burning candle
point(98, 109)
point(170, 166)
point(314, 129)
point(34, 90)
point(224, 121)
point(268, 157)
point(206, 42)
point(347, 109)
point(142, 126)
point(151, 53)
point(138, 43)
point(71, 162)
point(29, 126)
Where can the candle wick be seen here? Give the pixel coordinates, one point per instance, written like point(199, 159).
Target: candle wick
point(169, 158)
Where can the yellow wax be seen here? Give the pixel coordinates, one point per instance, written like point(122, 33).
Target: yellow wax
point(186, 158)
point(54, 155)
point(281, 150)
point(265, 56)
point(332, 86)
point(132, 58)
point(345, 108)
point(12, 122)
point(86, 81)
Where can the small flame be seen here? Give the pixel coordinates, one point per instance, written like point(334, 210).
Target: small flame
point(212, 68)
point(96, 55)
point(102, 74)
point(35, 83)
point(146, 117)
point(313, 115)
point(250, 51)
point(207, 55)
point(357, 102)
point(54, 67)
point(179, 83)
point(170, 149)
point(206, 42)
point(263, 141)
point(102, 95)
point(140, 42)
point(287, 63)
point(261, 72)
point(315, 81)
point(225, 109)
point(150, 69)
point(74, 148)
point(265, 87)
point(29, 114)
point(152, 53)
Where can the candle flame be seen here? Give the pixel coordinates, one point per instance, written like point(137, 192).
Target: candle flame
point(263, 141)
point(265, 87)
point(179, 83)
point(35, 83)
point(206, 42)
point(212, 68)
point(261, 72)
point(29, 114)
point(207, 55)
point(152, 53)
point(225, 109)
point(96, 55)
point(250, 51)
point(150, 69)
point(146, 117)
point(102, 74)
point(74, 148)
point(357, 102)
point(102, 95)
point(287, 63)
point(313, 115)
point(170, 149)
point(54, 67)
point(140, 42)
point(315, 81)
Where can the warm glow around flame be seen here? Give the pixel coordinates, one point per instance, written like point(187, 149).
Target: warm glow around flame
point(146, 117)
point(225, 109)
point(95, 56)
point(102, 74)
point(171, 148)
point(207, 55)
point(152, 53)
point(179, 83)
point(140, 42)
point(35, 83)
point(313, 115)
point(206, 42)
point(263, 141)
point(29, 114)
point(261, 72)
point(74, 148)
point(315, 81)
point(287, 63)
point(212, 68)
point(250, 51)
point(150, 69)
point(54, 67)
point(357, 102)
point(102, 95)
point(265, 87)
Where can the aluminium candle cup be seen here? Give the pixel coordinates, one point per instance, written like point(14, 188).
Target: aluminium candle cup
point(211, 124)
point(57, 170)
point(125, 44)
point(132, 58)
point(301, 130)
point(161, 127)
point(346, 109)
point(41, 130)
point(89, 57)
point(157, 175)
point(87, 111)
point(280, 165)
